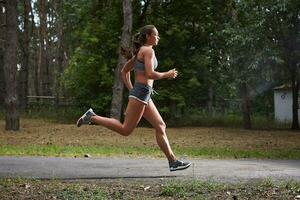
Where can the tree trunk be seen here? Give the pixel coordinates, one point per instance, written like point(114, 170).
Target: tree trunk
point(35, 66)
point(10, 66)
point(2, 37)
point(295, 90)
point(43, 71)
point(245, 106)
point(50, 42)
point(116, 105)
point(25, 59)
point(2, 83)
point(60, 51)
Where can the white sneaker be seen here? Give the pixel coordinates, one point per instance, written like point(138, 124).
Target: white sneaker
point(85, 118)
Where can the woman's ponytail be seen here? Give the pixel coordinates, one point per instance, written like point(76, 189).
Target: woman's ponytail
point(138, 40)
point(136, 44)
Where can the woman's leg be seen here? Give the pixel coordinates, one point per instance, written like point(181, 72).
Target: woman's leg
point(134, 113)
point(152, 115)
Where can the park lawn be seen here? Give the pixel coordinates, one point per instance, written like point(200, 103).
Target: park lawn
point(45, 138)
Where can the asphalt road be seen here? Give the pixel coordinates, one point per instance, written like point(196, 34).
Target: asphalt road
point(129, 168)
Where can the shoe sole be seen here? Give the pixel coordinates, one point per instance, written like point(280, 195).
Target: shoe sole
point(79, 122)
point(180, 168)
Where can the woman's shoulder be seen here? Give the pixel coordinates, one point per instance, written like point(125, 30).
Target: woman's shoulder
point(147, 50)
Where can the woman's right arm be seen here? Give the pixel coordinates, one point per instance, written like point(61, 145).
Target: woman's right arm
point(149, 69)
point(125, 73)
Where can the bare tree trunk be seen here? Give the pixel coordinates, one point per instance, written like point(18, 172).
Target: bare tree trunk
point(25, 59)
point(2, 43)
point(10, 66)
point(245, 106)
point(43, 70)
point(50, 43)
point(60, 51)
point(34, 69)
point(116, 104)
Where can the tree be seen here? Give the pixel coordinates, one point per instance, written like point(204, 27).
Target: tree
point(33, 81)
point(192, 41)
point(246, 49)
point(10, 66)
point(289, 41)
point(93, 36)
point(43, 69)
point(116, 105)
point(283, 30)
point(25, 59)
point(2, 39)
point(60, 50)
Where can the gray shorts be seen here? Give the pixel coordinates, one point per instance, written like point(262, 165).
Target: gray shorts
point(141, 92)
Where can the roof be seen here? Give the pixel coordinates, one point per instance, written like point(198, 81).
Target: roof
point(283, 87)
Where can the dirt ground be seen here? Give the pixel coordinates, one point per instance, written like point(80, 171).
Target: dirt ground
point(40, 132)
point(162, 189)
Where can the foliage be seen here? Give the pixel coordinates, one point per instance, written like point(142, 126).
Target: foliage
point(215, 45)
point(89, 77)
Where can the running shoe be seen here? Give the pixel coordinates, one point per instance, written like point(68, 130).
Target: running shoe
point(85, 118)
point(178, 165)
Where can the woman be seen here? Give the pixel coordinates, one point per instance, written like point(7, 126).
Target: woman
point(140, 103)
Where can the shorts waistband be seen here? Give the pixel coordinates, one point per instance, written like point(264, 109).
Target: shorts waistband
point(142, 84)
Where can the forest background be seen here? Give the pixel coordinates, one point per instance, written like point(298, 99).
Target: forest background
point(229, 54)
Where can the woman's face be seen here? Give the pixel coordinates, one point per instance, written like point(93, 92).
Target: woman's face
point(153, 38)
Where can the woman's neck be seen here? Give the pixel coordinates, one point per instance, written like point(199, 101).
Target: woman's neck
point(148, 45)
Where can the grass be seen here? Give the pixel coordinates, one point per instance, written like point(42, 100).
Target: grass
point(163, 189)
point(191, 118)
point(100, 151)
point(262, 189)
point(44, 138)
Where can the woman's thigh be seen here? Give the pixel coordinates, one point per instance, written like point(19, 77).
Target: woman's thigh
point(152, 115)
point(134, 113)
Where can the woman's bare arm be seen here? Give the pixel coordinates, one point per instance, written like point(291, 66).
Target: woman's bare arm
point(125, 73)
point(149, 69)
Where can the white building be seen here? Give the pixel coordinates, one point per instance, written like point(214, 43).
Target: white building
point(283, 103)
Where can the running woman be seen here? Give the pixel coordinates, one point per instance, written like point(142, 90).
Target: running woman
point(140, 104)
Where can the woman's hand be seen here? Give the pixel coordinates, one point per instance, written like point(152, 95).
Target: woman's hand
point(172, 74)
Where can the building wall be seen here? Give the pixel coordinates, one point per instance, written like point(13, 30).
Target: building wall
point(283, 105)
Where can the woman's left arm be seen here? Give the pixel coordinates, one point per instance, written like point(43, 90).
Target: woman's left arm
point(125, 73)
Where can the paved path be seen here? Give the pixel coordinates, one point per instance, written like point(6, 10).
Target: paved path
point(115, 168)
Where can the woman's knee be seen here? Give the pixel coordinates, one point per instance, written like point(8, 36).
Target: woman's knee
point(126, 132)
point(161, 127)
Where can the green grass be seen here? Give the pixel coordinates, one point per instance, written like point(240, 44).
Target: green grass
point(20, 188)
point(72, 151)
point(76, 192)
point(262, 189)
point(188, 189)
point(79, 151)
